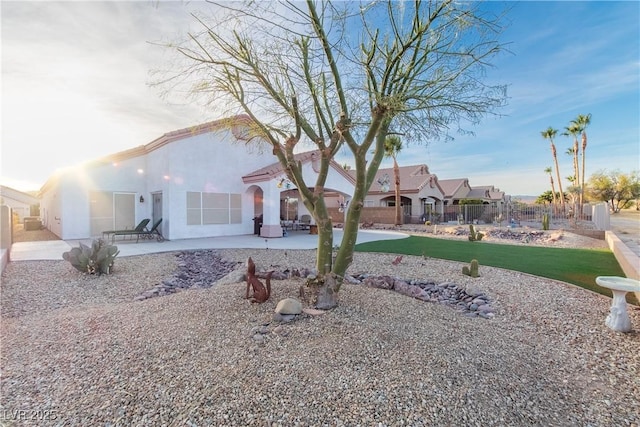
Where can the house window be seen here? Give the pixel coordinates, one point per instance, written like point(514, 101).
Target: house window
point(213, 208)
point(111, 211)
point(194, 208)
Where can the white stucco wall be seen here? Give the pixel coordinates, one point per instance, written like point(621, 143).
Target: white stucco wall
point(66, 204)
point(50, 209)
point(209, 162)
point(19, 208)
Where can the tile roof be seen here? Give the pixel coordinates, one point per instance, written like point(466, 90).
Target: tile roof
point(450, 186)
point(412, 178)
point(275, 169)
point(19, 196)
point(240, 126)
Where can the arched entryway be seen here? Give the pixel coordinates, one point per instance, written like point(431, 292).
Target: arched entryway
point(405, 202)
point(255, 196)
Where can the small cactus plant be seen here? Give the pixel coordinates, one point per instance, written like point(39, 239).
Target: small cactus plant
point(472, 269)
point(545, 221)
point(474, 236)
point(97, 259)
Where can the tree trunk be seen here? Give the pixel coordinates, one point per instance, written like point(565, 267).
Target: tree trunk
point(576, 167)
point(321, 292)
point(396, 172)
point(584, 148)
point(324, 253)
point(555, 159)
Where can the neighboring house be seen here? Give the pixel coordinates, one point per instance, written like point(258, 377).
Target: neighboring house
point(423, 196)
point(204, 181)
point(488, 194)
point(22, 204)
point(455, 190)
point(420, 191)
point(459, 189)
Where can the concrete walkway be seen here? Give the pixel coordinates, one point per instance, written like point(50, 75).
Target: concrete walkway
point(53, 249)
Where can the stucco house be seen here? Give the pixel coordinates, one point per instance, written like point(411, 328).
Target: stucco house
point(459, 189)
point(488, 194)
point(203, 181)
point(22, 204)
point(423, 196)
point(420, 191)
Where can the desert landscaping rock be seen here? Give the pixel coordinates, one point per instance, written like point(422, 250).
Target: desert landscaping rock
point(444, 293)
point(200, 269)
point(313, 311)
point(289, 306)
point(82, 347)
point(235, 276)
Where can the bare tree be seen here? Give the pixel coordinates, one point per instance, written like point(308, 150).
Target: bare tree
point(341, 76)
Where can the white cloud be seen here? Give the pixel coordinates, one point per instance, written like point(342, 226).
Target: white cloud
point(75, 86)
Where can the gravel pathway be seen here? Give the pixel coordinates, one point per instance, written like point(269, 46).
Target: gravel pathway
point(80, 351)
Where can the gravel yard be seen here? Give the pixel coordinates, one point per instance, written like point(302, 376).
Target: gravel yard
point(80, 351)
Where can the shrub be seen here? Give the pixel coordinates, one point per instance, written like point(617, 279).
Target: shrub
point(474, 236)
point(472, 270)
point(97, 259)
point(545, 221)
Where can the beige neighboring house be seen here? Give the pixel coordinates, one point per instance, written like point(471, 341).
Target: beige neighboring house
point(21, 203)
point(488, 194)
point(423, 195)
point(459, 189)
point(420, 191)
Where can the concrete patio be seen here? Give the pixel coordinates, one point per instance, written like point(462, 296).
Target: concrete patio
point(53, 249)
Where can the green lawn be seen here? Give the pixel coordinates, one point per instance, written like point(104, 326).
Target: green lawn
point(577, 266)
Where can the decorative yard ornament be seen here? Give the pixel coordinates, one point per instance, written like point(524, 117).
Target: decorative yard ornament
point(385, 183)
point(284, 182)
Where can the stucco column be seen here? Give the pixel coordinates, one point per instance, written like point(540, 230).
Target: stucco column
point(271, 211)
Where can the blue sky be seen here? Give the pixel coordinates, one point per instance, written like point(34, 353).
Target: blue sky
point(75, 87)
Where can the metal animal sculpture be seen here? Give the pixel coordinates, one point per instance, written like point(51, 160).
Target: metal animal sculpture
point(260, 292)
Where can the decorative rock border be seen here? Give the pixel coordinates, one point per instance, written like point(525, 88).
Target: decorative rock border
point(205, 268)
point(472, 303)
point(196, 269)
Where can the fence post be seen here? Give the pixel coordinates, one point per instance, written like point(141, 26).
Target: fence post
point(600, 216)
point(6, 235)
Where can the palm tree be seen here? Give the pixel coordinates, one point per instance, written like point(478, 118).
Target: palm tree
point(553, 187)
point(549, 134)
point(571, 152)
point(392, 146)
point(582, 122)
point(574, 130)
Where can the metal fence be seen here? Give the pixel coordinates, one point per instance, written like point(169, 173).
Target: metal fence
point(492, 214)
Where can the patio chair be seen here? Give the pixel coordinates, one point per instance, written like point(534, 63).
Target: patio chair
point(142, 226)
point(153, 233)
point(305, 222)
